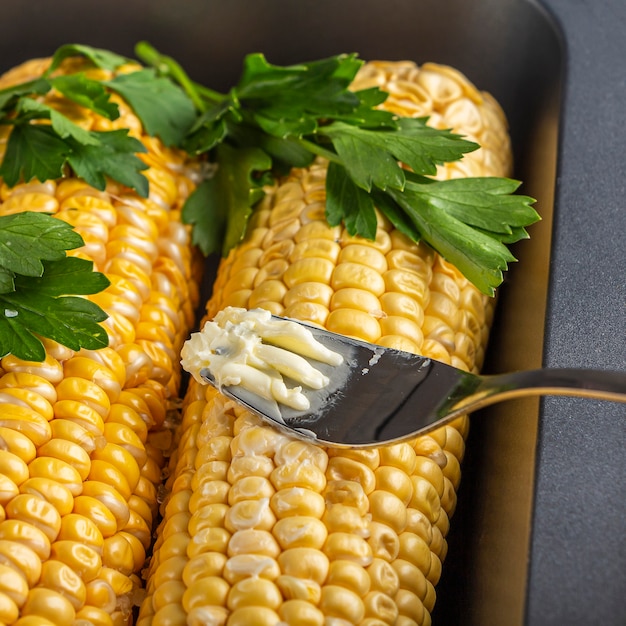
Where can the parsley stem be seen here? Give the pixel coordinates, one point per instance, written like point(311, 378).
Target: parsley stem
point(168, 66)
point(315, 148)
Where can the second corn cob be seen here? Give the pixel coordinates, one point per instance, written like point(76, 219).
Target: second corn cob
point(259, 529)
point(82, 434)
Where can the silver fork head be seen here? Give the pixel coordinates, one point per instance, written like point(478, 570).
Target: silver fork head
point(371, 398)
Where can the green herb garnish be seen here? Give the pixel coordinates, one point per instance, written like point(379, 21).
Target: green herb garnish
point(43, 142)
point(39, 286)
point(293, 114)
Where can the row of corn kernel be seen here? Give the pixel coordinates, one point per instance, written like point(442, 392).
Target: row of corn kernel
point(89, 428)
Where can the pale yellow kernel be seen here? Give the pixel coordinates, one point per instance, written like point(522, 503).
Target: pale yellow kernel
point(341, 468)
point(342, 518)
point(297, 501)
point(237, 299)
point(254, 592)
point(243, 566)
point(425, 498)
point(209, 540)
point(402, 326)
point(242, 466)
point(97, 512)
point(250, 514)
point(341, 545)
point(452, 469)
point(354, 323)
point(356, 298)
point(418, 261)
point(81, 558)
point(300, 612)
point(210, 515)
point(49, 604)
point(210, 492)
point(59, 577)
point(207, 591)
point(170, 615)
point(410, 577)
point(298, 474)
point(383, 541)
point(27, 534)
point(13, 586)
point(293, 588)
point(299, 531)
point(410, 605)
point(350, 575)
point(309, 269)
point(341, 602)
point(318, 229)
point(382, 242)
point(253, 616)
point(9, 611)
point(13, 467)
point(251, 541)
point(406, 282)
point(257, 440)
point(268, 291)
point(365, 255)
point(419, 524)
point(273, 270)
point(356, 275)
point(434, 573)
point(319, 247)
point(203, 565)
point(415, 550)
point(307, 312)
point(205, 616)
point(305, 564)
point(388, 509)
point(368, 456)
point(169, 569)
point(250, 487)
point(347, 492)
point(383, 577)
point(310, 292)
point(380, 606)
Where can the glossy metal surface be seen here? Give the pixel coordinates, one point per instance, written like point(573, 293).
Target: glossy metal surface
point(379, 395)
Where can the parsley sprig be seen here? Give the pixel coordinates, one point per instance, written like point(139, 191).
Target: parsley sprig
point(44, 142)
point(40, 288)
point(279, 117)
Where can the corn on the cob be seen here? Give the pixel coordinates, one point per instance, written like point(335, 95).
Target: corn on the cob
point(261, 529)
point(82, 434)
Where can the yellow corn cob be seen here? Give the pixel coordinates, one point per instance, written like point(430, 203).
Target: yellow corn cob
point(261, 529)
point(82, 434)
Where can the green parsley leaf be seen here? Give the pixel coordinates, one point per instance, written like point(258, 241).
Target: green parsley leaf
point(223, 203)
point(104, 59)
point(10, 95)
point(62, 125)
point(72, 321)
point(33, 151)
point(163, 108)
point(27, 239)
point(88, 93)
point(348, 203)
point(7, 282)
point(479, 254)
point(114, 156)
point(375, 159)
point(68, 275)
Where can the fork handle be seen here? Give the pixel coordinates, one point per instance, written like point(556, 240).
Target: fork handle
point(584, 383)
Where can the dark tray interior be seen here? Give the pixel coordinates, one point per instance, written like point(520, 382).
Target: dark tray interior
point(508, 47)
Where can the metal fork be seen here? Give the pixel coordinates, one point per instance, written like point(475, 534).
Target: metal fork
point(380, 395)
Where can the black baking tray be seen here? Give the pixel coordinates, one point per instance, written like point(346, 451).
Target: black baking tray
point(538, 537)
